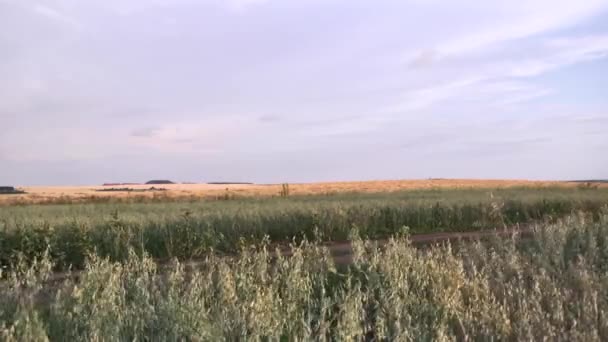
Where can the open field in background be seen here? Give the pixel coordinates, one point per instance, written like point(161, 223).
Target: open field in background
point(553, 286)
point(176, 191)
point(130, 282)
point(193, 229)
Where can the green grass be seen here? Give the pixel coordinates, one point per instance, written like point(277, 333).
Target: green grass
point(192, 229)
point(552, 287)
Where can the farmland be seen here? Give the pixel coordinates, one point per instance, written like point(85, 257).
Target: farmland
point(128, 260)
point(71, 194)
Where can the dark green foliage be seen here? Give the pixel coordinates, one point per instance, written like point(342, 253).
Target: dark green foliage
point(10, 190)
point(191, 229)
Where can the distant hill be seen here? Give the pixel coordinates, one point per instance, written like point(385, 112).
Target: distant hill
point(10, 190)
point(591, 181)
point(159, 181)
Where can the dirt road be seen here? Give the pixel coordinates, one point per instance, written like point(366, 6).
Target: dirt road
point(342, 251)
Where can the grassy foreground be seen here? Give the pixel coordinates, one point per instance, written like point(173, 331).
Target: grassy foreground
point(552, 287)
point(192, 229)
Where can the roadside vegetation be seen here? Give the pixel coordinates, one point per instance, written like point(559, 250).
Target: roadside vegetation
point(193, 229)
point(553, 286)
point(208, 270)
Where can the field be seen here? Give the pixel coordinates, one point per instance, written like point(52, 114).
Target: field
point(189, 191)
point(265, 267)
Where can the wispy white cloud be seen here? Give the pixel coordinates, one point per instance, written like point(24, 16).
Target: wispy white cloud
point(130, 7)
point(241, 5)
point(525, 92)
point(562, 52)
point(197, 136)
point(55, 14)
point(495, 75)
point(521, 19)
point(419, 99)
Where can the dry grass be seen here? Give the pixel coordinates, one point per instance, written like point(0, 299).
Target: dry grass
point(43, 194)
point(166, 228)
point(551, 288)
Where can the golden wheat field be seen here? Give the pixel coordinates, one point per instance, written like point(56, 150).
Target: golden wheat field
point(37, 194)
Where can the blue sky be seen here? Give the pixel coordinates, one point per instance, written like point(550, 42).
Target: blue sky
point(301, 90)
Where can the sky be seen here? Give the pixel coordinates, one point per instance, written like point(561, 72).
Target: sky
point(301, 90)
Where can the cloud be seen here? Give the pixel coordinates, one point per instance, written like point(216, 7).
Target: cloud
point(201, 136)
point(511, 143)
point(145, 132)
point(269, 118)
point(183, 80)
point(134, 7)
point(513, 92)
point(420, 99)
point(241, 5)
point(524, 19)
point(595, 120)
point(505, 76)
point(560, 52)
point(426, 141)
point(501, 148)
point(55, 14)
point(425, 59)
